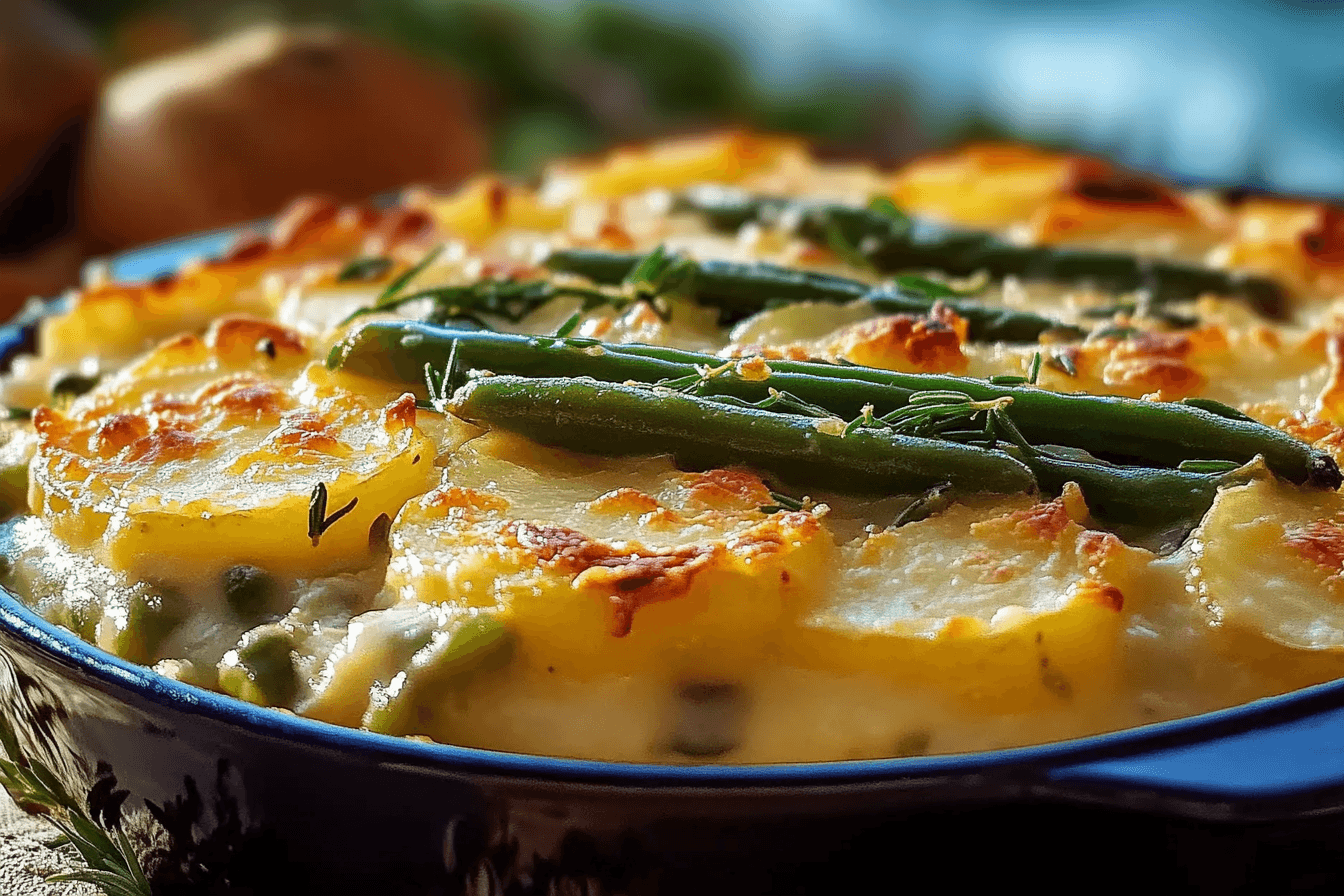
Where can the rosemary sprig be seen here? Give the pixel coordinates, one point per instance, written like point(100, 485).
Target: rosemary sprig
point(364, 269)
point(659, 277)
point(786, 402)
point(934, 289)
point(846, 251)
point(776, 400)
point(439, 386)
point(783, 502)
point(391, 296)
point(511, 300)
point(570, 325)
point(393, 289)
point(318, 521)
point(935, 500)
point(884, 206)
point(1063, 363)
point(865, 420)
point(1009, 379)
point(112, 864)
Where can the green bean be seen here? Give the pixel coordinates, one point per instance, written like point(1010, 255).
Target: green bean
point(739, 290)
point(79, 616)
point(250, 592)
point(364, 269)
point(479, 644)
point(1159, 434)
point(985, 323)
point(72, 384)
point(736, 289)
point(13, 486)
point(261, 669)
point(896, 244)
point(610, 418)
point(1130, 495)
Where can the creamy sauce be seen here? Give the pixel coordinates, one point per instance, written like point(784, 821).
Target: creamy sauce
point(481, 589)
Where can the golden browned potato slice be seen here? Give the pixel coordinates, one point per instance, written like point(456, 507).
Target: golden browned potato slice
point(206, 454)
point(1015, 605)
point(614, 567)
point(1267, 564)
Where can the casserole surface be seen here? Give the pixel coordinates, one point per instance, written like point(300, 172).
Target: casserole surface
point(486, 590)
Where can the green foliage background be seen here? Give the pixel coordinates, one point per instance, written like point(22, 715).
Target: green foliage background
point(568, 80)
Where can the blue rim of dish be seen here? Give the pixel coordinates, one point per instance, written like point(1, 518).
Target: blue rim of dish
point(1135, 743)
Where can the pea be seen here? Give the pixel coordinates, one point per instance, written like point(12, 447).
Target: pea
point(261, 669)
point(708, 717)
point(152, 615)
point(73, 384)
point(249, 591)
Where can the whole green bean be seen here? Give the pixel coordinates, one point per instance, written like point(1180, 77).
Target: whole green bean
point(984, 323)
point(735, 288)
point(1140, 496)
point(739, 290)
point(615, 419)
point(1151, 433)
point(891, 244)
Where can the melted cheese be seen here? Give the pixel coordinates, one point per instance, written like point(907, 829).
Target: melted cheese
point(485, 590)
point(205, 454)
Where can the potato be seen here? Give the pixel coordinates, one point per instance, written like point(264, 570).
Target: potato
point(231, 131)
point(48, 82)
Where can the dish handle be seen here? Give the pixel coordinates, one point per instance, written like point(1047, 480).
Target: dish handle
point(1286, 767)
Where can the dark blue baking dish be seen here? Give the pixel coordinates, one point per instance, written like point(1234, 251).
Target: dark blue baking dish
point(219, 796)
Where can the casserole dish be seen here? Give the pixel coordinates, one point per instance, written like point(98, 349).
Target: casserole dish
point(216, 795)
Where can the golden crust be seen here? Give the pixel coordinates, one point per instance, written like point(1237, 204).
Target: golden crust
point(990, 612)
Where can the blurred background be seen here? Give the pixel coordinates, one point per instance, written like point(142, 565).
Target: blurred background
point(124, 121)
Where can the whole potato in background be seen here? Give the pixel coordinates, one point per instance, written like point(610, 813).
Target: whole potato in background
point(48, 83)
point(231, 131)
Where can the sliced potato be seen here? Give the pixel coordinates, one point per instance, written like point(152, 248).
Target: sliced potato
point(201, 458)
point(682, 576)
point(1268, 566)
point(1016, 605)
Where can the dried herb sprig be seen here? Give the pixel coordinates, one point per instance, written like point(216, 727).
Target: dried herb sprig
point(657, 278)
point(364, 269)
point(318, 521)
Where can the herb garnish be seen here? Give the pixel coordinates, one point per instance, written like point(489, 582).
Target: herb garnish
point(935, 500)
point(845, 250)
point(1063, 362)
point(934, 289)
point(390, 297)
point(113, 865)
point(570, 325)
point(318, 521)
point(439, 385)
point(364, 269)
point(659, 276)
point(783, 502)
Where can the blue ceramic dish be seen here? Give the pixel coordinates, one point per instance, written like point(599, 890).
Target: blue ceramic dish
point(219, 796)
